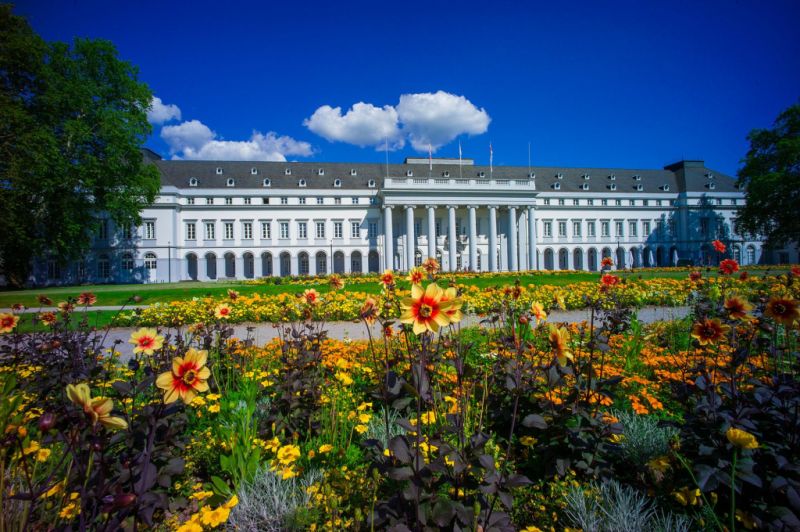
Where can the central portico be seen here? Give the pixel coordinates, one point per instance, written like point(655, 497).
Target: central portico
point(485, 218)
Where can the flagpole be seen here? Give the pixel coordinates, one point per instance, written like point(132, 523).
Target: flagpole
point(491, 156)
point(529, 158)
point(430, 161)
point(459, 160)
point(387, 155)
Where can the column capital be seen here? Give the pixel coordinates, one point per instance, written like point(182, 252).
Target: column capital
point(409, 206)
point(452, 207)
point(472, 207)
point(430, 206)
point(388, 206)
point(492, 207)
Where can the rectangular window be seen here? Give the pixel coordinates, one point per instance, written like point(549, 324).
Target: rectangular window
point(633, 202)
point(618, 228)
point(302, 200)
point(658, 203)
point(209, 201)
point(373, 230)
point(547, 201)
point(604, 202)
point(228, 230)
point(590, 202)
point(645, 228)
point(645, 202)
point(673, 228)
point(228, 201)
point(248, 201)
point(189, 201)
point(548, 229)
point(302, 230)
point(266, 231)
point(576, 229)
point(149, 230)
point(590, 229)
point(355, 230)
point(632, 229)
point(562, 229)
point(320, 230)
point(247, 230)
point(417, 228)
point(604, 229)
point(210, 231)
point(284, 201)
point(438, 228)
point(190, 231)
point(618, 202)
point(337, 229)
point(576, 202)
point(284, 230)
point(337, 201)
point(102, 230)
point(355, 200)
point(320, 200)
point(265, 201)
point(561, 201)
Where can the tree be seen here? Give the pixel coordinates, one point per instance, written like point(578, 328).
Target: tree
point(72, 122)
point(771, 177)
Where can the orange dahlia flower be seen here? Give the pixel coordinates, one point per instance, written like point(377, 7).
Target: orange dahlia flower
point(387, 278)
point(709, 331)
point(425, 309)
point(48, 318)
point(737, 307)
point(87, 299)
point(719, 246)
point(609, 280)
point(370, 310)
point(187, 377)
point(146, 341)
point(431, 265)
point(97, 409)
point(311, 296)
point(416, 275)
point(8, 322)
point(335, 282)
point(783, 310)
point(559, 341)
point(728, 266)
point(607, 262)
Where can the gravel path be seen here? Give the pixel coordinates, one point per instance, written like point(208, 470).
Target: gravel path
point(262, 333)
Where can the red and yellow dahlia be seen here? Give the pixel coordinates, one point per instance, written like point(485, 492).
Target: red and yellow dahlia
point(146, 341)
point(709, 331)
point(425, 309)
point(187, 378)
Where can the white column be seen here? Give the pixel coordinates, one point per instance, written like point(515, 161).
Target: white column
point(451, 236)
point(492, 238)
point(431, 232)
point(532, 239)
point(473, 239)
point(238, 264)
point(513, 264)
point(388, 239)
point(411, 241)
point(347, 263)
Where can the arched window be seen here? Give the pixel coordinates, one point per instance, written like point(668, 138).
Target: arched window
point(103, 267)
point(751, 255)
point(127, 262)
point(150, 261)
point(303, 263)
point(418, 258)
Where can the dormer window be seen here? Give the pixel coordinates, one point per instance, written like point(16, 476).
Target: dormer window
point(584, 186)
point(267, 182)
point(288, 171)
point(445, 174)
point(254, 171)
point(709, 175)
point(531, 175)
point(639, 188)
point(353, 171)
point(321, 171)
point(637, 177)
point(586, 177)
point(301, 183)
point(612, 186)
point(665, 188)
point(612, 177)
point(219, 170)
point(371, 183)
point(556, 186)
point(337, 183)
point(712, 186)
point(559, 176)
point(192, 181)
point(481, 174)
point(409, 173)
point(230, 182)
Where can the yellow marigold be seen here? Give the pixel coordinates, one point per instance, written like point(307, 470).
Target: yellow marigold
point(428, 417)
point(288, 454)
point(214, 517)
point(361, 429)
point(190, 526)
point(146, 341)
point(325, 448)
point(741, 438)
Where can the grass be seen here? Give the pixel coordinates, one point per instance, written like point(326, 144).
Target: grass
point(163, 292)
point(95, 318)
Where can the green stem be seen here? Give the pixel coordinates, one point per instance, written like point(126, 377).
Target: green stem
point(733, 490)
point(688, 469)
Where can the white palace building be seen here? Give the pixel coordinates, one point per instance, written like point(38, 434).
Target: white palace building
point(244, 220)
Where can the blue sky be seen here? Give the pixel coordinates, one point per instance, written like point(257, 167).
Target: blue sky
point(608, 84)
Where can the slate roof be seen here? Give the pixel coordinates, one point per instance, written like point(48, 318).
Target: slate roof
point(679, 177)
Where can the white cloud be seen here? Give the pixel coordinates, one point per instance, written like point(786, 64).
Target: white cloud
point(423, 118)
point(363, 125)
point(194, 140)
point(158, 113)
point(438, 118)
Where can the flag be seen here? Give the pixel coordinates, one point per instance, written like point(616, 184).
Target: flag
point(491, 156)
point(430, 158)
point(459, 152)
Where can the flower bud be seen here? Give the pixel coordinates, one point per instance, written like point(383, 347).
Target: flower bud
point(47, 421)
point(123, 500)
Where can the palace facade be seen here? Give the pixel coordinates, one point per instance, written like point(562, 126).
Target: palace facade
point(243, 220)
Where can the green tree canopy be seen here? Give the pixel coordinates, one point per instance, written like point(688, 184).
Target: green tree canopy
point(771, 176)
point(72, 122)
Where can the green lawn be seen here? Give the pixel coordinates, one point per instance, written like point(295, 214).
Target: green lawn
point(153, 293)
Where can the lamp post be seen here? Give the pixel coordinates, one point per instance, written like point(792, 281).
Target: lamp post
point(169, 261)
